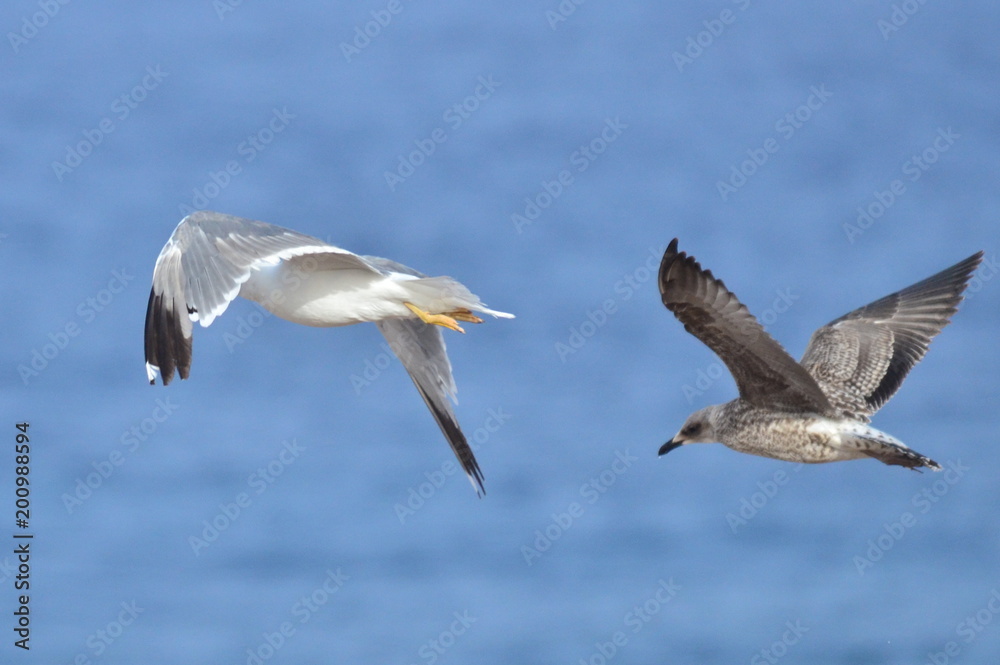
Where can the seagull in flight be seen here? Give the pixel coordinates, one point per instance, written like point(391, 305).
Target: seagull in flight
point(211, 258)
point(818, 409)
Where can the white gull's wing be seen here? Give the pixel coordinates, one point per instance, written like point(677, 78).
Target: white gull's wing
point(420, 347)
point(200, 271)
point(861, 359)
point(765, 374)
point(443, 289)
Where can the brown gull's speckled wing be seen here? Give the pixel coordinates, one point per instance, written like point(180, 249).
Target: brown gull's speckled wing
point(765, 374)
point(861, 359)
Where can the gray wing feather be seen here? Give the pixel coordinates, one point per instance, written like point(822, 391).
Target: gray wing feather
point(861, 358)
point(765, 374)
point(388, 266)
point(421, 349)
point(201, 269)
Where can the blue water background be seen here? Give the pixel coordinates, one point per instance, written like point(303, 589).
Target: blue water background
point(591, 371)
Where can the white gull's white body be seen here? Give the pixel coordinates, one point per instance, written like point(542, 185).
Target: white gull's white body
point(332, 298)
point(212, 258)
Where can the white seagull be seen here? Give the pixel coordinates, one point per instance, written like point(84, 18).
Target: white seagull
point(816, 410)
point(211, 258)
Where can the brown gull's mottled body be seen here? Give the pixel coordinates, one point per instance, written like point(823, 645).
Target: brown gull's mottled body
point(816, 410)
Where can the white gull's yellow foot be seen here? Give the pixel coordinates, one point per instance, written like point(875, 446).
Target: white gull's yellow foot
point(442, 320)
point(464, 315)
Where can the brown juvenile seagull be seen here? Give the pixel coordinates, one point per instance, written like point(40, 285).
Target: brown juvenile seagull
point(816, 410)
point(211, 258)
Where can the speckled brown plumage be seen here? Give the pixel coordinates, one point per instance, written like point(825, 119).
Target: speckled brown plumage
point(817, 410)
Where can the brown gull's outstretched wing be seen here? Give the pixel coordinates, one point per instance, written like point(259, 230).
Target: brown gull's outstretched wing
point(861, 359)
point(765, 374)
